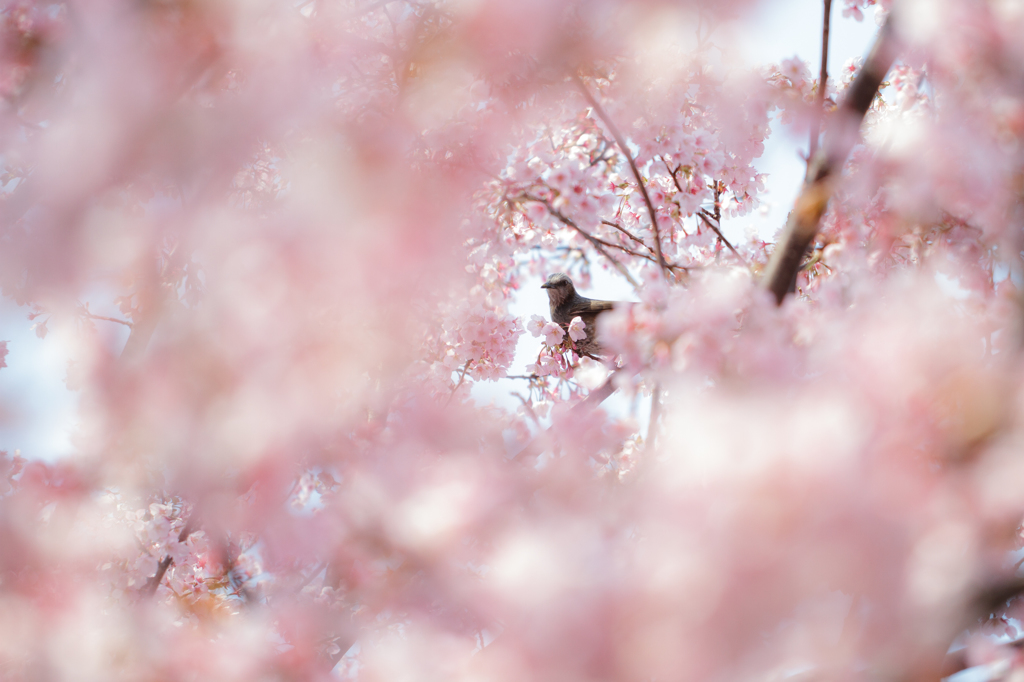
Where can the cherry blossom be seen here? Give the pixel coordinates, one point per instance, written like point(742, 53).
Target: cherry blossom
point(577, 330)
point(553, 334)
point(290, 249)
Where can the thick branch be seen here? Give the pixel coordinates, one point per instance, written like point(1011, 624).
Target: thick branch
point(621, 141)
point(841, 135)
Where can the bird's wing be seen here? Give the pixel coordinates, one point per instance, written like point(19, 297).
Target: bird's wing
point(588, 305)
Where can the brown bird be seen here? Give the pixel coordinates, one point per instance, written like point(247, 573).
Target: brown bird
point(567, 304)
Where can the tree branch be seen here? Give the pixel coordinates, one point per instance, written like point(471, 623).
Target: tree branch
point(822, 80)
point(593, 399)
point(626, 232)
point(842, 134)
point(594, 241)
point(631, 252)
point(717, 216)
point(165, 563)
point(718, 232)
point(620, 228)
point(462, 377)
point(619, 140)
point(93, 316)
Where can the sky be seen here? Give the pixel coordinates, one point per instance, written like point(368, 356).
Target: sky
point(37, 411)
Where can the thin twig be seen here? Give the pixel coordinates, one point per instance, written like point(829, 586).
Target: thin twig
point(597, 241)
point(626, 232)
point(594, 241)
point(717, 216)
point(528, 407)
point(620, 228)
point(711, 29)
point(462, 377)
point(107, 319)
point(619, 140)
point(593, 399)
point(721, 236)
point(631, 252)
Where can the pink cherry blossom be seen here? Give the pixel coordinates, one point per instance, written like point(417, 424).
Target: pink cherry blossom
point(553, 334)
point(796, 70)
point(536, 325)
point(577, 330)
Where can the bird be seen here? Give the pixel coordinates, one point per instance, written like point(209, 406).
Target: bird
point(567, 304)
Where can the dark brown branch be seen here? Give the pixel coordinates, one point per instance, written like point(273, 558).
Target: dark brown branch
point(822, 80)
point(842, 134)
point(619, 140)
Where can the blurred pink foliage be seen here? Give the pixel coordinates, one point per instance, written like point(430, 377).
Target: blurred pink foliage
point(314, 216)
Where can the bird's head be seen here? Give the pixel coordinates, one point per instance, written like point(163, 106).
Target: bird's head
point(559, 288)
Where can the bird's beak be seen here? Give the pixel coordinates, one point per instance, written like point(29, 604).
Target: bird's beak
point(545, 286)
